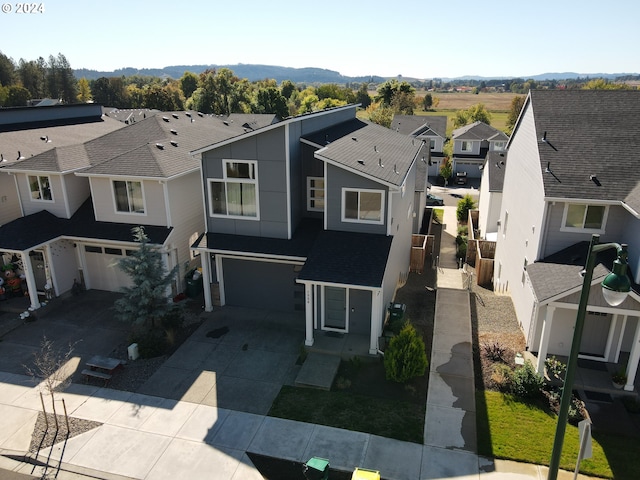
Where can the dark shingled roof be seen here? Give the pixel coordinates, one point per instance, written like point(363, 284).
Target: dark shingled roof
point(415, 125)
point(348, 258)
point(496, 166)
point(478, 131)
point(299, 245)
point(366, 148)
point(589, 132)
point(32, 230)
point(560, 273)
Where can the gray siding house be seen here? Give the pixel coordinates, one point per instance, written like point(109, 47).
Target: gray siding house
point(313, 214)
point(471, 144)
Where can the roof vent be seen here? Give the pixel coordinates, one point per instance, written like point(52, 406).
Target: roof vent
point(2, 159)
point(160, 146)
point(326, 139)
point(45, 138)
point(361, 162)
point(595, 180)
point(225, 122)
point(175, 115)
point(174, 131)
point(174, 143)
point(187, 114)
point(20, 157)
point(166, 119)
point(354, 139)
point(375, 148)
point(200, 114)
point(395, 169)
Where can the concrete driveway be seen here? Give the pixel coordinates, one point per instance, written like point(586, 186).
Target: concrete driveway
point(238, 360)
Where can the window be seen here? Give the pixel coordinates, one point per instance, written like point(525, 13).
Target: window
point(432, 144)
point(92, 249)
point(365, 206)
point(236, 194)
point(584, 217)
point(40, 188)
point(466, 146)
point(112, 251)
point(128, 196)
point(499, 145)
point(315, 194)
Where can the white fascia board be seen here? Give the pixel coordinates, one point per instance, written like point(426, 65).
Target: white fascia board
point(254, 256)
point(138, 177)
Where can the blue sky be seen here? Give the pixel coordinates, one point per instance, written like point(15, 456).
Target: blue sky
point(423, 39)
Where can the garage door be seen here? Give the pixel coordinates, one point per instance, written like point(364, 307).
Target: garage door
point(265, 285)
point(472, 168)
point(102, 271)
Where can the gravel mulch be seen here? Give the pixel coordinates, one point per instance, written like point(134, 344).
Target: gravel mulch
point(45, 436)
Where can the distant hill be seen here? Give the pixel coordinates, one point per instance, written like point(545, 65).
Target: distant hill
point(311, 75)
point(251, 72)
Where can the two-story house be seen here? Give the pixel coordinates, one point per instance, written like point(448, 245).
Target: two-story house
point(79, 201)
point(471, 144)
point(573, 170)
point(431, 129)
point(313, 214)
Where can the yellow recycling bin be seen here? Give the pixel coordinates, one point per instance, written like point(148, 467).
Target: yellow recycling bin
point(364, 474)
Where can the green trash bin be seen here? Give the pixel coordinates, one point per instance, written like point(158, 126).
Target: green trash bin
point(193, 283)
point(316, 469)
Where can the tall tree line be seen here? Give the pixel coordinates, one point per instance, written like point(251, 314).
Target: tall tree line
point(30, 79)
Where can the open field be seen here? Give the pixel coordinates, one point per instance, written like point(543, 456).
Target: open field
point(494, 102)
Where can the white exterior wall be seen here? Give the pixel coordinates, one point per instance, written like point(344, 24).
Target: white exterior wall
point(489, 204)
point(77, 191)
point(522, 202)
point(9, 204)
point(30, 206)
point(105, 207)
point(187, 215)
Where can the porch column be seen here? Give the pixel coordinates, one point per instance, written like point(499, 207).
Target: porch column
point(544, 339)
point(206, 278)
point(308, 314)
point(31, 281)
point(376, 321)
point(634, 358)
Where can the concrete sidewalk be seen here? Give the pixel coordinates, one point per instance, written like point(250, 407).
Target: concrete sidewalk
point(147, 437)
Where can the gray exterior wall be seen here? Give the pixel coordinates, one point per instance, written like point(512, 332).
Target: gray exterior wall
point(268, 149)
point(261, 285)
point(336, 180)
point(311, 167)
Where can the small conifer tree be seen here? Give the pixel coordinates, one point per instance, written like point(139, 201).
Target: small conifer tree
point(148, 299)
point(405, 357)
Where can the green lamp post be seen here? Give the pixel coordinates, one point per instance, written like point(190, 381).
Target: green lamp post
point(615, 288)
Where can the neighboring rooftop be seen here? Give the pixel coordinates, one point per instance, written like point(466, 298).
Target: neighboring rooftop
point(479, 131)
point(420, 125)
point(591, 144)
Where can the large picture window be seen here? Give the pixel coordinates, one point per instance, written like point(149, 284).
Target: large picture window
point(236, 194)
point(315, 194)
point(365, 206)
point(128, 196)
point(40, 187)
point(584, 217)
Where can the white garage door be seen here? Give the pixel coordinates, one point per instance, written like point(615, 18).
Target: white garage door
point(103, 272)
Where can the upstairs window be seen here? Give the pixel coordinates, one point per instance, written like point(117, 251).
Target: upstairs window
point(362, 206)
point(236, 194)
point(499, 145)
point(315, 194)
point(579, 217)
point(40, 187)
point(128, 196)
point(432, 144)
point(467, 146)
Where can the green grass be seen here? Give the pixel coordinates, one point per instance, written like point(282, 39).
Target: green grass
point(392, 419)
point(513, 430)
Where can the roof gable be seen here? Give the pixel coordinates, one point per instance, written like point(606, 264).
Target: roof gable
point(479, 131)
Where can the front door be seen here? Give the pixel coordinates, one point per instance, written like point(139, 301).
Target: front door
point(595, 334)
point(39, 270)
point(335, 309)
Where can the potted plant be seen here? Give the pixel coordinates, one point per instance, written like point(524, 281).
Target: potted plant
point(619, 378)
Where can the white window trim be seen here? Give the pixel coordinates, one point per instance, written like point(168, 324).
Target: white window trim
point(363, 190)
point(564, 228)
point(309, 189)
point(44, 200)
point(469, 144)
point(115, 201)
point(224, 179)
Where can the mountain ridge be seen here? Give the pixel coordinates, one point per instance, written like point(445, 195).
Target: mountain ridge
point(255, 72)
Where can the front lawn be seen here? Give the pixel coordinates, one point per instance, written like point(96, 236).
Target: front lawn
point(530, 438)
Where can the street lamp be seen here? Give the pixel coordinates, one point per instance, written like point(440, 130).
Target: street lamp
point(615, 288)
